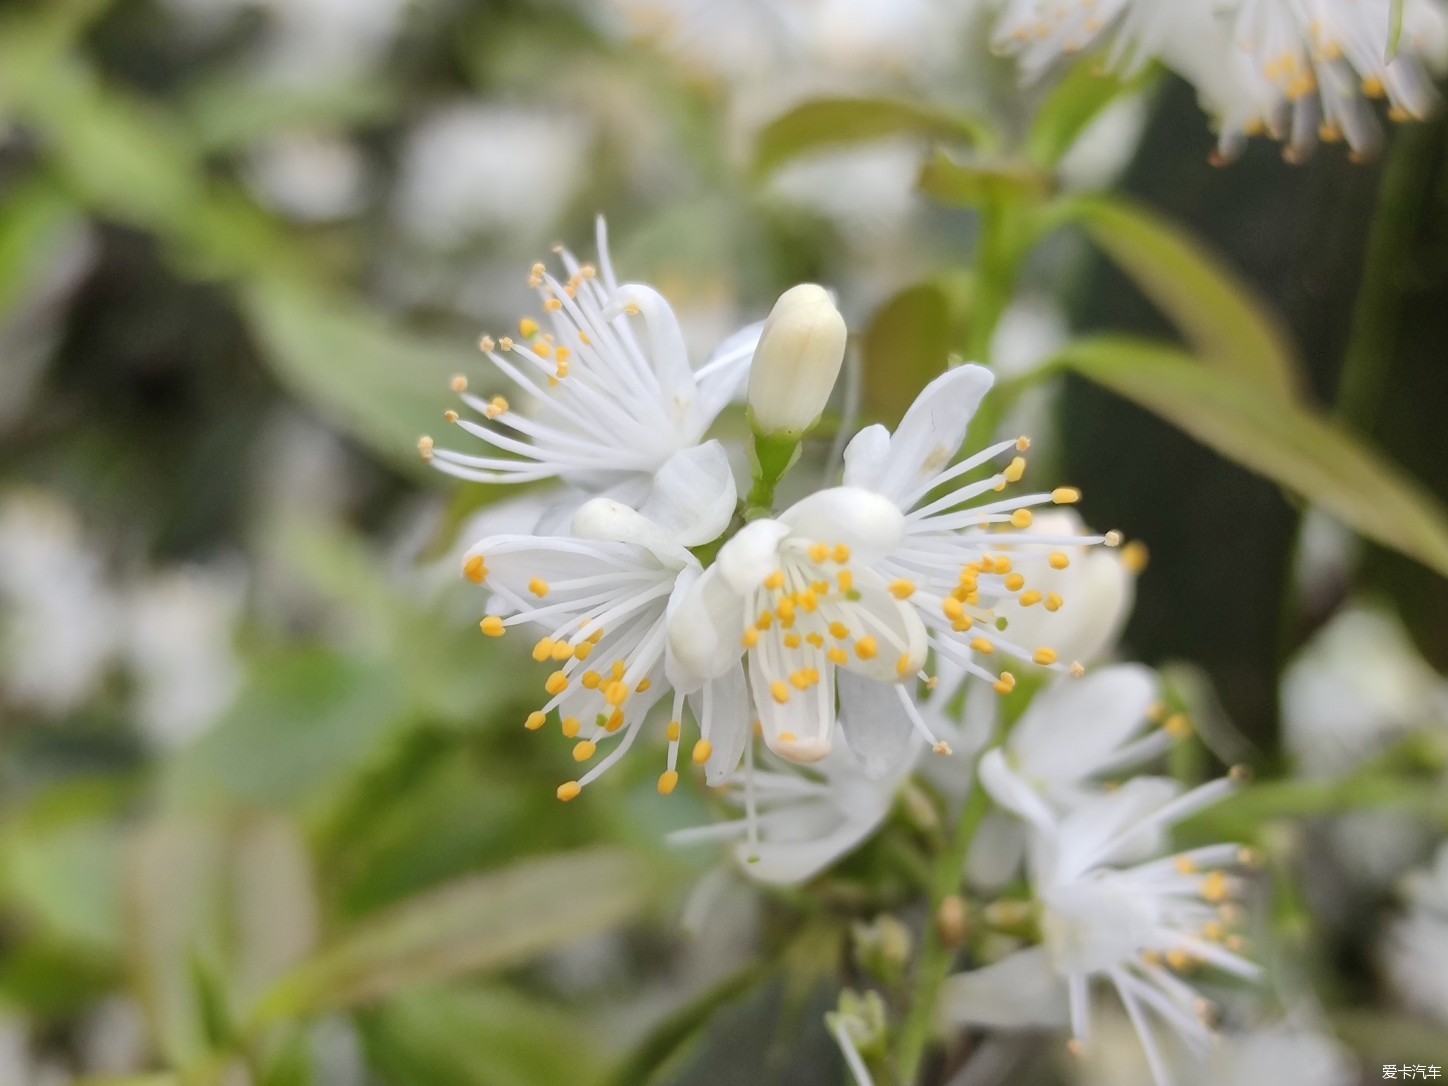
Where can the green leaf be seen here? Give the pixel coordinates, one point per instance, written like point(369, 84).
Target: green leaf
point(1081, 96)
point(905, 346)
point(1294, 446)
point(839, 122)
point(384, 385)
point(973, 184)
point(1215, 312)
point(473, 925)
point(36, 223)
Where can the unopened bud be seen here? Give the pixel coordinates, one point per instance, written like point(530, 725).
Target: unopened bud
point(797, 361)
point(952, 921)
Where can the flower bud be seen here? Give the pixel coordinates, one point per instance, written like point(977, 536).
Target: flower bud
point(797, 361)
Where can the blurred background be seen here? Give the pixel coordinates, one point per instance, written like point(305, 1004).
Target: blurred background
point(265, 813)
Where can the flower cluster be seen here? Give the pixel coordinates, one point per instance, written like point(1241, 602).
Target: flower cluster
point(1297, 70)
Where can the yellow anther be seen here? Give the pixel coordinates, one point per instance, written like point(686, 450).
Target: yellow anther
point(765, 620)
point(569, 791)
point(819, 553)
point(838, 657)
point(1213, 931)
point(584, 751)
point(1006, 683)
point(1065, 495)
point(1015, 582)
point(866, 648)
point(953, 608)
point(668, 782)
point(496, 406)
point(553, 305)
point(1078, 669)
point(618, 669)
point(538, 586)
point(591, 679)
point(486, 343)
point(815, 640)
point(839, 631)
point(1215, 888)
point(986, 564)
point(1015, 469)
point(425, 447)
point(643, 686)
point(1177, 726)
point(595, 637)
point(1185, 865)
point(543, 350)
point(1045, 657)
point(562, 370)
point(1023, 443)
point(492, 626)
point(1178, 960)
point(793, 641)
point(615, 693)
point(563, 354)
point(449, 416)
point(1135, 556)
point(1002, 563)
point(459, 383)
point(1053, 602)
point(583, 650)
point(536, 719)
point(703, 749)
point(780, 692)
point(528, 327)
point(543, 649)
point(475, 569)
point(506, 343)
point(904, 666)
point(671, 733)
point(1373, 87)
point(1030, 599)
point(571, 727)
point(557, 683)
point(562, 650)
point(1059, 560)
point(1022, 518)
point(902, 590)
point(800, 680)
point(750, 638)
point(808, 601)
point(785, 610)
point(982, 645)
point(615, 721)
point(775, 581)
point(846, 581)
point(841, 554)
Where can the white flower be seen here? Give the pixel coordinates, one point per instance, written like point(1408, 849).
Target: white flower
point(602, 596)
point(798, 821)
point(179, 628)
point(1137, 927)
point(59, 627)
point(308, 176)
point(1416, 953)
point(797, 361)
point(615, 394)
point(864, 578)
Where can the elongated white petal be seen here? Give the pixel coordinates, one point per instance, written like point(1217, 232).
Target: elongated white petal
point(869, 524)
point(706, 624)
point(874, 724)
point(693, 496)
point(1073, 726)
point(1021, 991)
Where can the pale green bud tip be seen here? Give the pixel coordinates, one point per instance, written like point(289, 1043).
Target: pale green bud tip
point(797, 362)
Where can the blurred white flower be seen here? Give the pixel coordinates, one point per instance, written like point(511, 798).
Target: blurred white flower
point(1139, 928)
point(180, 626)
point(868, 191)
point(611, 407)
point(308, 176)
point(798, 821)
point(474, 169)
point(59, 623)
point(1416, 951)
point(608, 589)
point(1357, 686)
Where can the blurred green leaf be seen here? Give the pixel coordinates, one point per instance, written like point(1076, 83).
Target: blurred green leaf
point(838, 122)
point(905, 346)
point(382, 384)
point(1081, 96)
point(472, 925)
point(307, 717)
point(35, 220)
point(1295, 447)
point(1217, 313)
point(972, 184)
point(230, 112)
point(478, 1037)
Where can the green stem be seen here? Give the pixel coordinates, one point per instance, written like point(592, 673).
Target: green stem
point(935, 955)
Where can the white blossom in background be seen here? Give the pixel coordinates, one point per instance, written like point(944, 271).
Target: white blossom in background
point(613, 393)
point(312, 177)
point(1141, 928)
point(1355, 688)
point(1415, 954)
point(470, 170)
point(180, 628)
point(800, 820)
point(59, 622)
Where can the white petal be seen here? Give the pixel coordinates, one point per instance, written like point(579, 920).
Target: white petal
point(799, 728)
point(996, 852)
point(706, 625)
point(721, 377)
point(606, 520)
point(752, 555)
point(1014, 792)
point(932, 431)
point(1020, 991)
point(874, 724)
point(894, 624)
point(1082, 837)
point(1074, 725)
point(693, 495)
point(871, 525)
point(866, 457)
point(790, 862)
point(731, 725)
point(667, 353)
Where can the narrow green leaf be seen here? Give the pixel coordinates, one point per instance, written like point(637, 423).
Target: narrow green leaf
point(906, 344)
point(838, 122)
point(1395, 29)
point(473, 925)
point(1294, 446)
point(1215, 312)
point(961, 184)
point(1081, 96)
point(383, 384)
